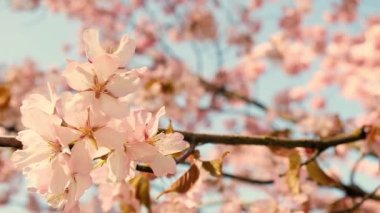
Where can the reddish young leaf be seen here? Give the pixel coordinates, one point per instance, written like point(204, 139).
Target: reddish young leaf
point(185, 182)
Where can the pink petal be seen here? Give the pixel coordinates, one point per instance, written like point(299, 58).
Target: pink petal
point(118, 164)
point(60, 178)
point(126, 49)
point(83, 182)
point(40, 102)
point(71, 203)
point(163, 165)
point(92, 43)
point(79, 76)
point(171, 143)
point(35, 151)
point(123, 83)
point(153, 124)
point(45, 122)
point(75, 110)
point(109, 138)
point(113, 107)
point(66, 135)
point(142, 152)
point(80, 161)
point(105, 66)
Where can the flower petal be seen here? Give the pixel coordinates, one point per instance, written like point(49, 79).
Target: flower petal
point(79, 76)
point(35, 151)
point(109, 138)
point(171, 143)
point(142, 152)
point(123, 83)
point(112, 106)
point(163, 165)
point(105, 66)
point(118, 164)
point(80, 161)
point(126, 49)
point(92, 43)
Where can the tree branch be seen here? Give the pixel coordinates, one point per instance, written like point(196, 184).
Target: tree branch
point(203, 138)
point(318, 144)
point(231, 94)
point(357, 205)
point(10, 142)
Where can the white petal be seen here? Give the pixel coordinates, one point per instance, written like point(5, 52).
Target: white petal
point(118, 163)
point(142, 152)
point(122, 84)
point(171, 143)
point(79, 76)
point(113, 107)
point(126, 49)
point(109, 138)
point(92, 43)
point(163, 165)
point(80, 160)
point(105, 66)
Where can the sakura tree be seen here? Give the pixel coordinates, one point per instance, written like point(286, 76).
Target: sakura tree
point(191, 106)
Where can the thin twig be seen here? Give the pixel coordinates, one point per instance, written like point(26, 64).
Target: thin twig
point(354, 168)
point(187, 153)
point(221, 90)
point(246, 180)
point(357, 205)
point(314, 157)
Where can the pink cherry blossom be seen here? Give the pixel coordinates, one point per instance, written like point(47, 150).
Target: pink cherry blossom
point(102, 83)
point(94, 48)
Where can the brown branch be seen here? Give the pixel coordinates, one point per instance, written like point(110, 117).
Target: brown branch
point(355, 191)
point(318, 144)
point(10, 142)
point(203, 138)
point(221, 90)
point(357, 205)
point(313, 157)
point(246, 180)
point(187, 153)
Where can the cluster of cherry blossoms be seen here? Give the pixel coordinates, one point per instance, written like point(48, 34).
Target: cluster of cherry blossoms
point(109, 119)
point(73, 137)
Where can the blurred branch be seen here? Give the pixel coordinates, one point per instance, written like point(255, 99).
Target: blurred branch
point(355, 167)
point(221, 90)
point(371, 195)
point(313, 157)
point(355, 191)
point(187, 153)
